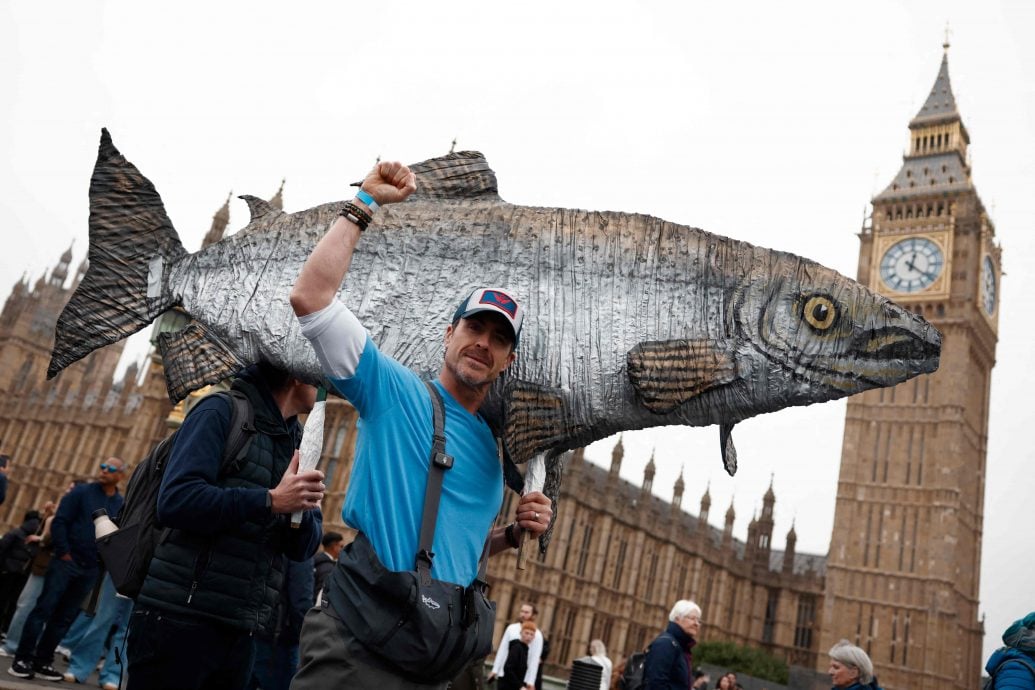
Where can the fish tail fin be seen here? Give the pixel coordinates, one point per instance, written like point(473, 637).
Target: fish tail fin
point(132, 243)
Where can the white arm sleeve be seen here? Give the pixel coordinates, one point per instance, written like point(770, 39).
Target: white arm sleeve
point(338, 338)
point(502, 651)
point(535, 650)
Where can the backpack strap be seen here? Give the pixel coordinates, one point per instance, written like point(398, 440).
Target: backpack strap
point(242, 429)
point(440, 462)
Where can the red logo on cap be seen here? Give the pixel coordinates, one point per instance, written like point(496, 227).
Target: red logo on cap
point(499, 299)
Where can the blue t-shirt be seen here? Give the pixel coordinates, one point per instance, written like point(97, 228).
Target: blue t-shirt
point(385, 498)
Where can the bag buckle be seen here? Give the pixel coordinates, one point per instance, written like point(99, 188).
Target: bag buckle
point(443, 460)
point(424, 556)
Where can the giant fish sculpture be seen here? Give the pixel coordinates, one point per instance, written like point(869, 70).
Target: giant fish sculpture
point(632, 321)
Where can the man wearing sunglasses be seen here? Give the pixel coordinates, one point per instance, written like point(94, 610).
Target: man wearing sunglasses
point(71, 574)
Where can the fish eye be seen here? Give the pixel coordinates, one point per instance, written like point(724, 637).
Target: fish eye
point(820, 312)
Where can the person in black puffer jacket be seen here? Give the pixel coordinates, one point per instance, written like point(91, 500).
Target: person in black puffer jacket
point(215, 579)
point(15, 555)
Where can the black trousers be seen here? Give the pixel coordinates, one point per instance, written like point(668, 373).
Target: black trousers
point(175, 652)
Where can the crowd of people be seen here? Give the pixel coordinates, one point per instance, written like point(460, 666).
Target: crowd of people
point(236, 595)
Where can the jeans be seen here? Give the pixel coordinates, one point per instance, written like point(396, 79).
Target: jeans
point(112, 612)
point(26, 602)
point(176, 652)
point(65, 586)
point(75, 633)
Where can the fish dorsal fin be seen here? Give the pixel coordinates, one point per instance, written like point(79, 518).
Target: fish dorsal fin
point(461, 175)
point(258, 207)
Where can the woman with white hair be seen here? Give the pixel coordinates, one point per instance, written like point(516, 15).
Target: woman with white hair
point(598, 653)
point(851, 668)
point(670, 663)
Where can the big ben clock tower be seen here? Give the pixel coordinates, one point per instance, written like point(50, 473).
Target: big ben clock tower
point(905, 553)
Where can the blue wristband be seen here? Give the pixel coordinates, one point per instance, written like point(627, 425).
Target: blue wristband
point(368, 200)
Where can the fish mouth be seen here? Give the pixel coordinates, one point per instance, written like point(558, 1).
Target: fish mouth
point(902, 348)
point(883, 357)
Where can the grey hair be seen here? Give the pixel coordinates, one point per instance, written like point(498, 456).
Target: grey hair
point(848, 654)
point(684, 607)
point(597, 648)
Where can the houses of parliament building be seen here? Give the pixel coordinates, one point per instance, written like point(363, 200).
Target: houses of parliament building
point(901, 575)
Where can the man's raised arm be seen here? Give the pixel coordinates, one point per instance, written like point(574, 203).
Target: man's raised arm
point(326, 267)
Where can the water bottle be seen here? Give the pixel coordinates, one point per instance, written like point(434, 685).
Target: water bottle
point(102, 524)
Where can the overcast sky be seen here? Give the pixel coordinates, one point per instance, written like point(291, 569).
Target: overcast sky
point(773, 123)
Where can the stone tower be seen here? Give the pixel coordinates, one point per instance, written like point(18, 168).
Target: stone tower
point(905, 553)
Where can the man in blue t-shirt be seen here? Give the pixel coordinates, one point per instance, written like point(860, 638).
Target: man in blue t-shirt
point(386, 488)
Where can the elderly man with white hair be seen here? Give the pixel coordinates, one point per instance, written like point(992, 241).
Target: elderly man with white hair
point(670, 663)
point(851, 668)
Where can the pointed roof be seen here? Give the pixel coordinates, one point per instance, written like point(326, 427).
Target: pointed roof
point(680, 484)
point(277, 201)
point(940, 104)
point(66, 258)
point(649, 470)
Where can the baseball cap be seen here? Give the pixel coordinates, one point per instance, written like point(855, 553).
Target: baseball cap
point(496, 300)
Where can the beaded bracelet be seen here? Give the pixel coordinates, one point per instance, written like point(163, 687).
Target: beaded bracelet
point(357, 215)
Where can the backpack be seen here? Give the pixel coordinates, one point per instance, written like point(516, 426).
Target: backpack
point(989, 683)
point(632, 676)
point(127, 552)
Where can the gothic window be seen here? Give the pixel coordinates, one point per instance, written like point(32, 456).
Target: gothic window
point(905, 641)
point(805, 621)
point(894, 634)
point(652, 575)
point(901, 549)
point(565, 627)
point(623, 548)
point(769, 624)
point(569, 547)
point(23, 373)
point(587, 542)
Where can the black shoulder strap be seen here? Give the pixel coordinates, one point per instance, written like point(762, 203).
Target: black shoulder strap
point(440, 462)
point(242, 429)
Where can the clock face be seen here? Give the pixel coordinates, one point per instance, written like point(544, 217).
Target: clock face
point(911, 265)
point(988, 291)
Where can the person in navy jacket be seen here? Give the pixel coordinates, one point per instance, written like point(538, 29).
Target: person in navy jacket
point(72, 572)
point(670, 661)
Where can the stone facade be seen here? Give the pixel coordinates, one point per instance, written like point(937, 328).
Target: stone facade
point(621, 556)
point(905, 554)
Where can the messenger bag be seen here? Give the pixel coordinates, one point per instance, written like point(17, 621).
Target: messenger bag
point(427, 629)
